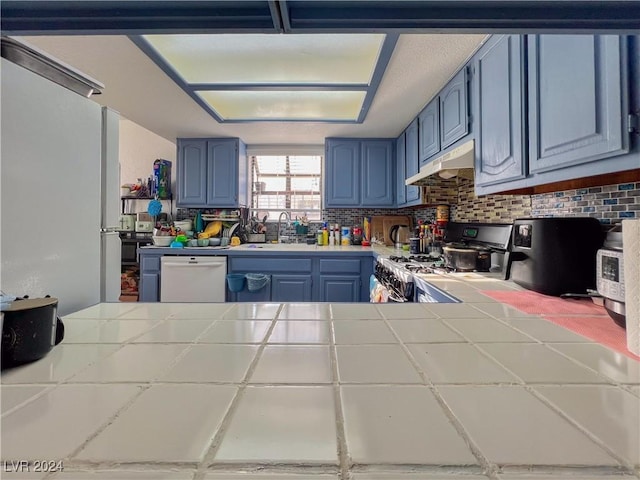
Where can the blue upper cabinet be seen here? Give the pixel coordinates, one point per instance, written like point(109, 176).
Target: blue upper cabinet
point(429, 125)
point(498, 103)
point(377, 173)
point(342, 179)
point(401, 189)
point(192, 172)
point(211, 173)
point(222, 165)
point(412, 165)
point(359, 173)
point(577, 100)
point(454, 111)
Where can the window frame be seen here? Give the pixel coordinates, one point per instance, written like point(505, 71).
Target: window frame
point(287, 151)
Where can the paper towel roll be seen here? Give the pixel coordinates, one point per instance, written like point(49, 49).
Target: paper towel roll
point(631, 256)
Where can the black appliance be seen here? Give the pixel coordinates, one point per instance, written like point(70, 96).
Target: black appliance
point(490, 240)
point(130, 242)
point(30, 329)
point(554, 255)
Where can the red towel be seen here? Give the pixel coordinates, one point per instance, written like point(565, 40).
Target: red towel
point(581, 316)
point(538, 304)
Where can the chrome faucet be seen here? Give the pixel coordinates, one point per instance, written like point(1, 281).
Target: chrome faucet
point(288, 216)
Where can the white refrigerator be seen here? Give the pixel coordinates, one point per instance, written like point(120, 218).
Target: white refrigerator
point(59, 193)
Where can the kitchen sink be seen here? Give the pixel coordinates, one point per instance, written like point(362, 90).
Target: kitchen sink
point(277, 246)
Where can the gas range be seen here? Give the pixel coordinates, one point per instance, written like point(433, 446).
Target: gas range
point(417, 263)
point(402, 276)
point(405, 276)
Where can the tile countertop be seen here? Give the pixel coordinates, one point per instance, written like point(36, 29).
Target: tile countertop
point(467, 391)
point(276, 248)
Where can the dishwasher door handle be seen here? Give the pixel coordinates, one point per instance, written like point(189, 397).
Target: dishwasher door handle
point(194, 264)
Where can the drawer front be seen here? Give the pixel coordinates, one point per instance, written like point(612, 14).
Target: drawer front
point(340, 266)
point(150, 263)
point(275, 264)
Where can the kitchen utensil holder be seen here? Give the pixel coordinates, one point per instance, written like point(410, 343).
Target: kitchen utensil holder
point(302, 229)
point(235, 281)
point(256, 281)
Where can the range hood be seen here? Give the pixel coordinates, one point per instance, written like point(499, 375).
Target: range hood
point(455, 163)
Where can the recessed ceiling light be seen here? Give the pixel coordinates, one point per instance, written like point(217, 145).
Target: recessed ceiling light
point(275, 77)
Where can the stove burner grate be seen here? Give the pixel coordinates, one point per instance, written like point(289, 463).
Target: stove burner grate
point(421, 258)
point(399, 259)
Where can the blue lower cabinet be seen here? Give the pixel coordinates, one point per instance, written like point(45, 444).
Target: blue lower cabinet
point(343, 288)
point(149, 287)
point(291, 288)
point(149, 290)
point(262, 295)
point(313, 278)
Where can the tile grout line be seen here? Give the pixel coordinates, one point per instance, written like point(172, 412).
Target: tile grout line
point(343, 450)
point(489, 468)
point(216, 441)
point(144, 386)
point(107, 423)
point(609, 380)
point(522, 383)
point(543, 399)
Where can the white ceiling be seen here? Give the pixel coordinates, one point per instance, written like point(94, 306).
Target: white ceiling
point(136, 87)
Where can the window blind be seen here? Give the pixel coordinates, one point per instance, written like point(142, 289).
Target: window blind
point(287, 183)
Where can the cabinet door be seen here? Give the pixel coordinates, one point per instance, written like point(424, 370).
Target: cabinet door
point(343, 288)
point(290, 288)
point(342, 179)
point(498, 102)
point(377, 173)
point(429, 134)
point(577, 99)
point(412, 160)
point(262, 295)
point(222, 173)
point(149, 287)
point(401, 189)
point(454, 116)
point(192, 173)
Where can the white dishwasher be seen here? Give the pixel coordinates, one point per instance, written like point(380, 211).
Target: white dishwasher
point(192, 279)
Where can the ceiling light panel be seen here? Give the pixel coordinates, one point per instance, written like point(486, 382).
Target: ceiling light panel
point(285, 105)
point(271, 59)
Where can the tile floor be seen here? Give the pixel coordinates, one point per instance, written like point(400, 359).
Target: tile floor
point(476, 391)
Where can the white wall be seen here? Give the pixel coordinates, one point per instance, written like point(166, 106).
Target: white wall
point(139, 148)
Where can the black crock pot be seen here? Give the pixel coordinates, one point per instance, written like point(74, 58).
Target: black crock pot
point(466, 258)
point(30, 329)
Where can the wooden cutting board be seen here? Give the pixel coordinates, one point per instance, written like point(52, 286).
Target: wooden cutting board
point(380, 226)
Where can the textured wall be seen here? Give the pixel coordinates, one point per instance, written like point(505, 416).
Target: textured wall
point(139, 148)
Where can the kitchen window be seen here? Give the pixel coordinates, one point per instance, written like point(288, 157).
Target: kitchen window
point(286, 183)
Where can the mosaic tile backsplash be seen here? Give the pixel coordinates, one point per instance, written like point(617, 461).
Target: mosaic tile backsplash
point(609, 204)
